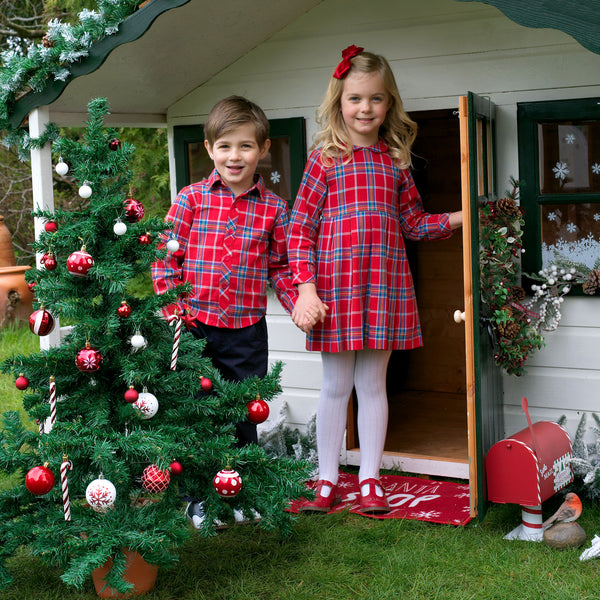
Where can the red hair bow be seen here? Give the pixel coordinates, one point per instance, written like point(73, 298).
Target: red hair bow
point(347, 55)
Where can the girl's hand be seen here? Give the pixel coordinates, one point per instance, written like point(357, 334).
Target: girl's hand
point(309, 309)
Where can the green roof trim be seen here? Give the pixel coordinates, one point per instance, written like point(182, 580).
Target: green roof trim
point(578, 18)
point(131, 29)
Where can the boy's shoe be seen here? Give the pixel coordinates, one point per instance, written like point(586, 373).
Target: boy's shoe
point(372, 497)
point(195, 513)
point(241, 518)
point(325, 498)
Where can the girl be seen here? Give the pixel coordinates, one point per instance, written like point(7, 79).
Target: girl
point(346, 250)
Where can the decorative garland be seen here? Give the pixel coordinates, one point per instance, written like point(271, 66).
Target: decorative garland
point(516, 322)
point(51, 60)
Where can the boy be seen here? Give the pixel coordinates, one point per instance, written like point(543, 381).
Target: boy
point(232, 231)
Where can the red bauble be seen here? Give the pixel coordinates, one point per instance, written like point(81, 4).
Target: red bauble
point(131, 395)
point(50, 226)
point(88, 359)
point(134, 210)
point(176, 468)
point(145, 239)
point(79, 263)
point(39, 480)
point(31, 285)
point(258, 410)
point(205, 384)
point(114, 144)
point(41, 322)
point(22, 382)
point(227, 483)
point(124, 310)
point(49, 261)
point(154, 480)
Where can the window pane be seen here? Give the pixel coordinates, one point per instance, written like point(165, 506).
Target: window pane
point(569, 154)
point(571, 229)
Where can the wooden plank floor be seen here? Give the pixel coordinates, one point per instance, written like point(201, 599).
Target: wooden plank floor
point(433, 424)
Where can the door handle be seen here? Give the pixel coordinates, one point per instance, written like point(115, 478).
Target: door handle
point(459, 316)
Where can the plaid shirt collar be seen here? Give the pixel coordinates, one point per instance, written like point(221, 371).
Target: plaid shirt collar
point(215, 180)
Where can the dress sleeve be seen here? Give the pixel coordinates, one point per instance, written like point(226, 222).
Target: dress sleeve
point(306, 219)
point(415, 222)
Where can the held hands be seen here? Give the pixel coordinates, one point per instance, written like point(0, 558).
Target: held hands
point(309, 309)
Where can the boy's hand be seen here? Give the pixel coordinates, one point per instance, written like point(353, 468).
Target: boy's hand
point(309, 309)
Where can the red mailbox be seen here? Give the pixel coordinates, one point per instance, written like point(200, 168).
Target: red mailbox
point(527, 468)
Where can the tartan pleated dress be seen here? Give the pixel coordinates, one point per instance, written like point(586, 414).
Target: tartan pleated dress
point(347, 235)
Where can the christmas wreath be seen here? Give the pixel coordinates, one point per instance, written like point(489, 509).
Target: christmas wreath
point(517, 322)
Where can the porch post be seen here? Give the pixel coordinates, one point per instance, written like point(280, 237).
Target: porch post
point(43, 194)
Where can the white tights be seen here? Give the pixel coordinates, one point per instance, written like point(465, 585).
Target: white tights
point(365, 370)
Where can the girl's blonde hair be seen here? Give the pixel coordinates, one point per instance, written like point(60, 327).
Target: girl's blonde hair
point(398, 129)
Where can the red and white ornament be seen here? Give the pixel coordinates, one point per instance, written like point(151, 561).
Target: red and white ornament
point(146, 405)
point(101, 494)
point(258, 410)
point(145, 239)
point(80, 262)
point(49, 261)
point(227, 483)
point(50, 227)
point(124, 310)
point(41, 322)
point(65, 466)
point(88, 359)
point(39, 480)
point(154, 480)
point(22, 383)
point(176, 468)
point(131, 395)
point(134, 210)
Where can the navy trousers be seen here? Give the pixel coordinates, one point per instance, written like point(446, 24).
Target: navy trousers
point(237, 354)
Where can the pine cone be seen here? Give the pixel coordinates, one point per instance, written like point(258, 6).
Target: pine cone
point(507, 206)
point(47, 42)
point(508, 310)
point(590, 287)
point(518, 293)
point(508, 330)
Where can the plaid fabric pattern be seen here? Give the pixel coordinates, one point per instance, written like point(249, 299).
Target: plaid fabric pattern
point(232, 246)
point(346, 235)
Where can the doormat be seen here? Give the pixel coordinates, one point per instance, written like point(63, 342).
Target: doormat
point(444, 502)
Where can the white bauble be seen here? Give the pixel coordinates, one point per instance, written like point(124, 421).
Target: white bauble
point(120, 228)
point(138, 341)
point(85, 191)
point(172, 245)
point(101, 494)
point(146, 405)
point(62, 168)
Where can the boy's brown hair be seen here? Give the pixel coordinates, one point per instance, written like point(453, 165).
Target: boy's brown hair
point(231, 112)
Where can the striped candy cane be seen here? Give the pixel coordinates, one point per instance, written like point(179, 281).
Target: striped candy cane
point(66, 465)
point(52, 402)
point(175, 318)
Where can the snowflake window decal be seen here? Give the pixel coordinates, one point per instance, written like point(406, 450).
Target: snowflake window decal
point(572, 228)
point(596, 168)
point(552, 216)
point(570, 138)
point(561, 170)
point(275, 177)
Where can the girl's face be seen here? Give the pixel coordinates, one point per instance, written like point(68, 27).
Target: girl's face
point(364, 103)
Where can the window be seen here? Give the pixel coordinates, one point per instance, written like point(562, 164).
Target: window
point(559, 175)
point(281, 169)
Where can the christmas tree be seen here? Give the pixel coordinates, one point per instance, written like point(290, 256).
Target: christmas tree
point(129, 415)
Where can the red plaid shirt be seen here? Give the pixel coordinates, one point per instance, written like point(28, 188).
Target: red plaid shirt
point(232, 246)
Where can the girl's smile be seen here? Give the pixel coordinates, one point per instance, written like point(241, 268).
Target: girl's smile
point(364, 103)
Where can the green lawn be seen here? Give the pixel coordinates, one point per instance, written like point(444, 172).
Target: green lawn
point(346, 557)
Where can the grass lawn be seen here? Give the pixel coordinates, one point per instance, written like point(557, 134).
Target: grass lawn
point(345, 556)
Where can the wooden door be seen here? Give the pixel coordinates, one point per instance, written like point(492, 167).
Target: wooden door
point(484, 381)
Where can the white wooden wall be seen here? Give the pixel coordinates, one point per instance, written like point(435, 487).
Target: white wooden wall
point(439, 50)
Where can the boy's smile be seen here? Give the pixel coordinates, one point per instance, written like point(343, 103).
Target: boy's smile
point(236, 155)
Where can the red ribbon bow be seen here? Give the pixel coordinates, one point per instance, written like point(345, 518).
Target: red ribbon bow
point(347, 55)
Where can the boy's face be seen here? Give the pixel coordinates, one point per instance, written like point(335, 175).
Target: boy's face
point(236, 155)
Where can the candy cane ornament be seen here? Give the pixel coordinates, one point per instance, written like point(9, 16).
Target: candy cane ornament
point(66, 465)
point(175, 318)
point(52, 403)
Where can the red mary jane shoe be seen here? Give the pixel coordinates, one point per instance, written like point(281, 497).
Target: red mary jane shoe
point(375, 500)
point(322, 503)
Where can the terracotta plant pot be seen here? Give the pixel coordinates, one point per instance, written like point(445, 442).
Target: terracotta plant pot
point(15, 297)
point(140, 573)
